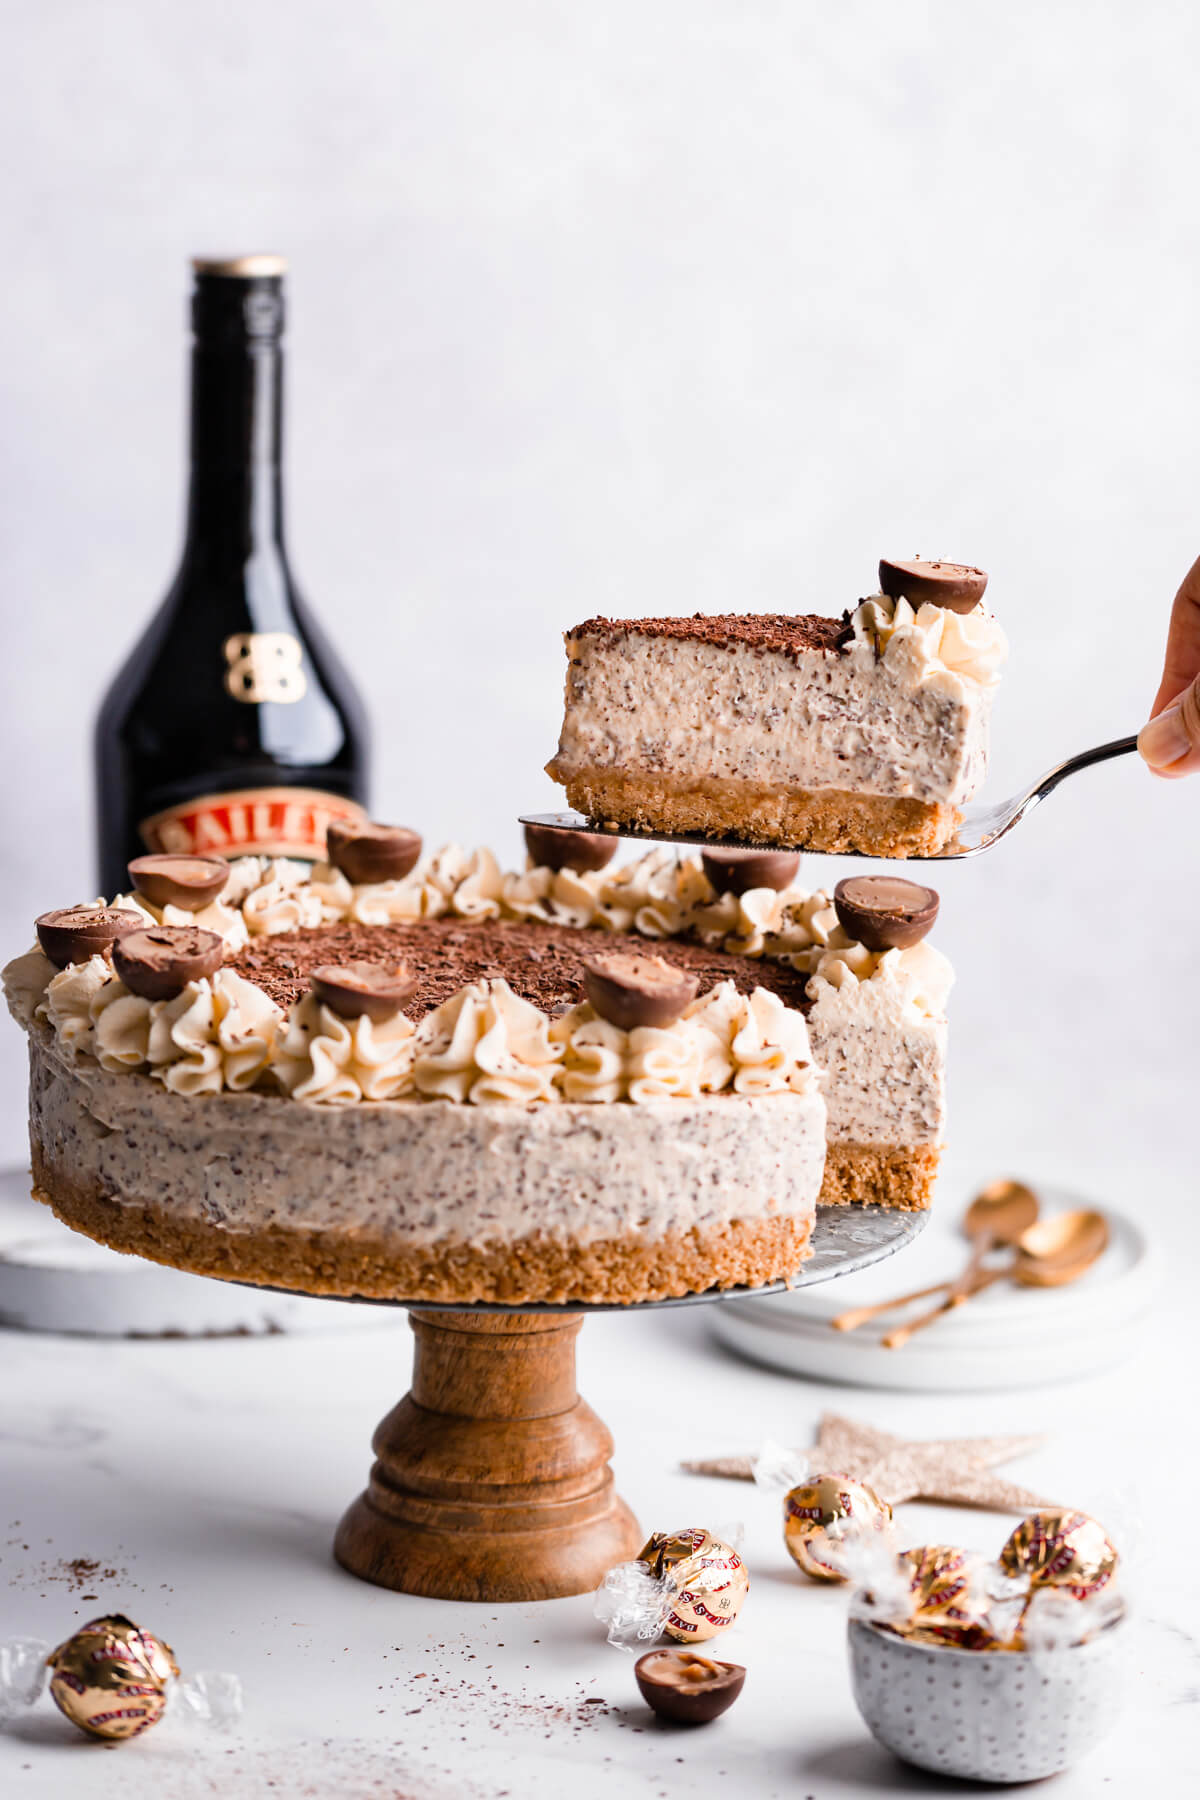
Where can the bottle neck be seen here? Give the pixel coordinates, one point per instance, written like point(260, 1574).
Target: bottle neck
point(235, 494)
point(235, 500)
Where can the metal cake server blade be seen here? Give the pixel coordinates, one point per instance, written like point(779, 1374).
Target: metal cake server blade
point(982, 826)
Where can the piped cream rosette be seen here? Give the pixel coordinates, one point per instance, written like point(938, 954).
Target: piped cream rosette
point(922, 643)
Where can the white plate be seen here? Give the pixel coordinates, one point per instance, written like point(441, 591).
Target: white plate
point(54, 1279)
point(1009, 1337)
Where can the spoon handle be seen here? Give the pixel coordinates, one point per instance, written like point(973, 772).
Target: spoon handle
point(962, 1284)
point(896, 1340)
point(859, 1315)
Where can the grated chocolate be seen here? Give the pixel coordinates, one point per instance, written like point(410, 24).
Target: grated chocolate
point(790, 634)
point(541, 963)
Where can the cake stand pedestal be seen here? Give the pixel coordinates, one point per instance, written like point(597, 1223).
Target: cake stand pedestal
point(491, 1480)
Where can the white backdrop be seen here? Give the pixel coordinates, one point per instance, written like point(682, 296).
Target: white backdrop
point(666, 306)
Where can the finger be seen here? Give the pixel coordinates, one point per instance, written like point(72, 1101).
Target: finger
point(1170, 743)
point(1182, 663)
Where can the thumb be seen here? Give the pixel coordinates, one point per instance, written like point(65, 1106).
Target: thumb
point(1170, 743)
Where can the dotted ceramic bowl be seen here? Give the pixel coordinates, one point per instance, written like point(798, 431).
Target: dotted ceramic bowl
point(988, 1716)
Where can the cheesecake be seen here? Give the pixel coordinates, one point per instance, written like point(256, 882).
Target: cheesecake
point(571, 1082)
point(863, 734)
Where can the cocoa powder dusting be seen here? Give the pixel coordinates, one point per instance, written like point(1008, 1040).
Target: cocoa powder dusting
point(787, 633)
point(541, 963)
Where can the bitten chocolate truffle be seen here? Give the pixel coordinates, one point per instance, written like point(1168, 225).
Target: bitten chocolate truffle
point(158, 963)
point(631, 991)
point(370, 853)
point(553, 847)
point(686, 1688)
point(956, 586)
point(72, 934)
point(740, 871)
point(884, 912)
point(189, 882)
point(363, 990)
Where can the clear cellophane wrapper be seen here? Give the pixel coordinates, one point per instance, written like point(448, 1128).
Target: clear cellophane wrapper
point(687, 1585)
point(1052, 1587)
point(113, 1681)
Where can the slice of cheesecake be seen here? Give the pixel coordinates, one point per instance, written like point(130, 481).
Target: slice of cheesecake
point(865, 733)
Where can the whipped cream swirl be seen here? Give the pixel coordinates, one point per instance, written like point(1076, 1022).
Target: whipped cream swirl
point(285, 900)
point(330, 1061)
point(930, 639)
point(218, 1033)
point(68, 1003)
point(26, 979)
point(752, 1043)
point(920, 977)
point(486, 1043)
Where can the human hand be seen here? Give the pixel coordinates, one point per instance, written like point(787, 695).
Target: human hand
point(1170, 742)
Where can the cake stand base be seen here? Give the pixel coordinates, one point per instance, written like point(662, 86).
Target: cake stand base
point(491, 1480)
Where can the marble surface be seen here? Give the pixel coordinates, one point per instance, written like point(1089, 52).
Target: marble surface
point(204, 1481)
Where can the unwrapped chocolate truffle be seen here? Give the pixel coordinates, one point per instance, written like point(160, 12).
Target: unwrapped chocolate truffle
point(688, 1689)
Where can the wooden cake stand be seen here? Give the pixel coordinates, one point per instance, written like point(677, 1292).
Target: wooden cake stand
point(491, 1480)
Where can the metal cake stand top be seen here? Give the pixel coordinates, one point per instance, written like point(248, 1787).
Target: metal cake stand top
point(845, 1239)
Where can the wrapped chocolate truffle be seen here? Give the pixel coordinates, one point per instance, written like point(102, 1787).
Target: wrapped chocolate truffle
point(113, 1680)
point(688, 1584)
point(1060, 1549)
point(828, 1518)
point(1050, 1588)
point(948, 1598)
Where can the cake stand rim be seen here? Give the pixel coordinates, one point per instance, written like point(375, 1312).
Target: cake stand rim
point(905, 1228)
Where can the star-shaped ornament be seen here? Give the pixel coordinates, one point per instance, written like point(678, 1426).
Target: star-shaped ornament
point(946, 1471)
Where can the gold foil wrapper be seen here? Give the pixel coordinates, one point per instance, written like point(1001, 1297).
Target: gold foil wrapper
point(1061, 1549)
point(947, 1605)
point(111, 1677)
point(707, 1581)
point(823, 1518)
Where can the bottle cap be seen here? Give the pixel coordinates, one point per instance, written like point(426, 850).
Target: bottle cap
point(254, 267)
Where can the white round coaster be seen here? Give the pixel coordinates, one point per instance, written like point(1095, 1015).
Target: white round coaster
point(54, 1279)
point(1008, 1337)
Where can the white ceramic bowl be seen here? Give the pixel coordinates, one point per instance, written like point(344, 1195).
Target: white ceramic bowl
point(987, 1715)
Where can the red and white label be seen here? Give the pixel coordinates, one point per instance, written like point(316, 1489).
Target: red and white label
point(252, 822)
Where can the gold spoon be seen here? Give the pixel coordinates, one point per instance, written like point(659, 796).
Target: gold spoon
point(1051, 1253)
point(998, 1215)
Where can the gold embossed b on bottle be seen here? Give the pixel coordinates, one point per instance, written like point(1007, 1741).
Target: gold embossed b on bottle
point(232, 727)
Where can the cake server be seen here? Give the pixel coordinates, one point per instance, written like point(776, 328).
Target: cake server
point(982, 826)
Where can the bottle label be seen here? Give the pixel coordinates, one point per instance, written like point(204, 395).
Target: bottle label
point(250, 822)
point(264, 665)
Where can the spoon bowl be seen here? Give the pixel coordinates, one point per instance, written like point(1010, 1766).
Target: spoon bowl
point(1001, 1211)
point(1058, 1250)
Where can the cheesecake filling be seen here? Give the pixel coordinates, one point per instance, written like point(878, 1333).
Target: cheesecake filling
point(899, 709)
point(411, 1174)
